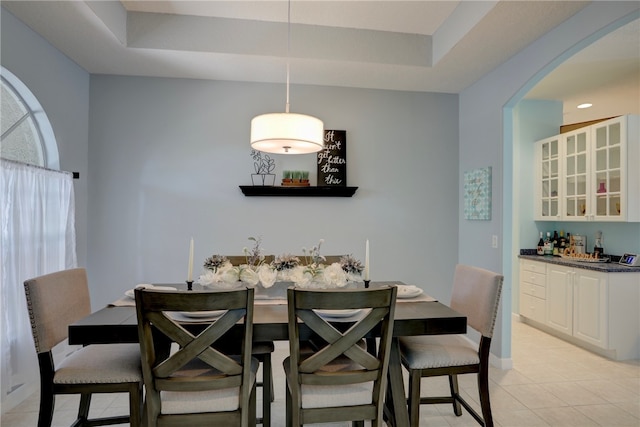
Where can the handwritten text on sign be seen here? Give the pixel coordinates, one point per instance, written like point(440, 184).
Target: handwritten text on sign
point(332, 160)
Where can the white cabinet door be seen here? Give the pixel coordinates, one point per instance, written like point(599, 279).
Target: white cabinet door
point(576, 178)
point(590, 302)
point(560, 298)
point(548, 179)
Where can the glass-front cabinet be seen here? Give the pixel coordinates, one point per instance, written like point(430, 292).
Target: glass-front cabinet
point(607, 170)
point(590, 174)
point(576, 178)
point(548, 179)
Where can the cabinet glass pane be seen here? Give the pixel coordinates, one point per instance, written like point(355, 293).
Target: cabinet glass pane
point(614, 206)
point(601, 183)
point(582, 143)
point(554, 188)
point(571, 165)
point(582, 163)
point(554, 167)
point(614, 134)
point(614, 181)
point(554, 207)
point(554, 148)
point(601, 160)
point(581, 185)
point(545, 170)
point(545, 151)
point(614, 157)
point(545, 188)
point(601, 206)
point(571, 207)
point(571, 145)
point(545, 208)
point(571, 186)
point(601, 137)
point(582, 205)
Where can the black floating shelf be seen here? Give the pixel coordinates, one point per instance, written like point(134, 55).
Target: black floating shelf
point(275, 191)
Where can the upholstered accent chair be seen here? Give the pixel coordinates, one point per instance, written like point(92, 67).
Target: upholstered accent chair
point(341, 380)
point(54, 301)
point(476, 294)
point(188, 380)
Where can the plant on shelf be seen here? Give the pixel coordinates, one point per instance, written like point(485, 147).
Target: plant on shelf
point(263, 165)
point(295, 178)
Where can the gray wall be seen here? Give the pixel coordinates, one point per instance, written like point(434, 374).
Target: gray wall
point(486, 137)
point(167, 156)
point(62, 88)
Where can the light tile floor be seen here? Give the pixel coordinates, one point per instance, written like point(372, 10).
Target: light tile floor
point(553, 383)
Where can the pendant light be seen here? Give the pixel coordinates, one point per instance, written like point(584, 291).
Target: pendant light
point(287, 133)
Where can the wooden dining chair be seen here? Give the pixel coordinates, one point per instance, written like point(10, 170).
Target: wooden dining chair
point(54, 301)
point(341, 381)
point(197, 384)
point(476, 294)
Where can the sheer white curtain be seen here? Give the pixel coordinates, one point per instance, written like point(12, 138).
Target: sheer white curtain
point(38, 237)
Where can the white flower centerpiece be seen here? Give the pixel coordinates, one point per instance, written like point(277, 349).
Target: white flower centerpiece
point(312, 272)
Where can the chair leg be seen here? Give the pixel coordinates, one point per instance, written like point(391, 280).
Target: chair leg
point(414, 397)
point(483, 388)
point(135, 405)
point(83, 410)
point(267, 390)
point(453, 386)
point(47, 403)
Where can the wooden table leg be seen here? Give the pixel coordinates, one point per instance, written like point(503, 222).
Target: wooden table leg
point(396, 401)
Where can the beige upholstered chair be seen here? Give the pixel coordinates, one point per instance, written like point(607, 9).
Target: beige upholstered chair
point(476, 294)
point(197, 384)
point(54, 301)
point(341, 381)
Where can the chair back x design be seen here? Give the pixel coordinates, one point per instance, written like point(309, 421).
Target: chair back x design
point(342, 380)
point(197, 383)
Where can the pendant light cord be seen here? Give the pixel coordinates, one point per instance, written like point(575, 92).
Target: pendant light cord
point(288, 52)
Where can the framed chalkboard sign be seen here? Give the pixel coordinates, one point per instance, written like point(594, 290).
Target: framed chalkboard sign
point(332, 160)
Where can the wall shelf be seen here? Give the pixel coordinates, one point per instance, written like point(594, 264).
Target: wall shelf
point(277, 191)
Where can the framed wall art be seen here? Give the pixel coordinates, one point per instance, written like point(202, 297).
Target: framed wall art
point(477, 194)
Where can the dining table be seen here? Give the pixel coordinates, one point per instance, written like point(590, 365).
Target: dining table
point(421, 315)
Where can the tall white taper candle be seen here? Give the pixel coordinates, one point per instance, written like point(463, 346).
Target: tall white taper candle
point(366, 261)
point(190, 271)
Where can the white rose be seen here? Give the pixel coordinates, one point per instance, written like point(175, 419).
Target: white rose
point(230, 275)
point(267, 276)
point(248, 276)
point(334, 275)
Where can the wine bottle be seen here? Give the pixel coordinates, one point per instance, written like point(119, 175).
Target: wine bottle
point(548, 245)
point(563, 242)
point(598, 249)
point(540, 249)
point(556, 243)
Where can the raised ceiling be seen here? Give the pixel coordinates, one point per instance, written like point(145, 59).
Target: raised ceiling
point(431, 46)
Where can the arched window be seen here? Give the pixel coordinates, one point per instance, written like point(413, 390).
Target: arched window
point(25, 132)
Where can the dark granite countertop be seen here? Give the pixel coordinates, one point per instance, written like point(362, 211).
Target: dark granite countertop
point(609, 267)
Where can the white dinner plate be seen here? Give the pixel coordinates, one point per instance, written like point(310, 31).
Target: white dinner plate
point(131, 295)
point(409, 291)
point(338, 313)
point(203, 314)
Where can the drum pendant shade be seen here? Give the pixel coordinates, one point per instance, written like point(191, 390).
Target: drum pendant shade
point(287, 133)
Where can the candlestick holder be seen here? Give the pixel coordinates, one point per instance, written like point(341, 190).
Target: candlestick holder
point(189, 285)
point(366, 284)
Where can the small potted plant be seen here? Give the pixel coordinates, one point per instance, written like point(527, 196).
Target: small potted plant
point(304, 178)
point(286, 178)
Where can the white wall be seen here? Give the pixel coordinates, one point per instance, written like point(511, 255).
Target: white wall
point(486, 136)
point(62, 88)
point(167, 155)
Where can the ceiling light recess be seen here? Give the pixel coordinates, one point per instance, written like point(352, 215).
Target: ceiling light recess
point(287, 133)
point(585, 105)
